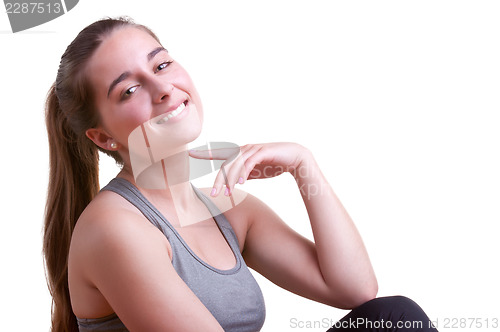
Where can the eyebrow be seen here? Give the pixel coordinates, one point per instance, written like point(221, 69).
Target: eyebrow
point(157, 50)
point(126, 74)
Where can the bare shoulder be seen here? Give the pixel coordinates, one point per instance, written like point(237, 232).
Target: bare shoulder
point(109, 214)
point(110, 226)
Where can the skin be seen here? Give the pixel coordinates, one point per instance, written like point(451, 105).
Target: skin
point(119, 262)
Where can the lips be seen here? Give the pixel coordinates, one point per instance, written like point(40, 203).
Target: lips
point(173, 114)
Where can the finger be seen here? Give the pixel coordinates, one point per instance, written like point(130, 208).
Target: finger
point(217, 154)
point(237, 174)
point(234, 173)
point(229, 188)
point(223, 179)
point(219, 183)
point(254, 157)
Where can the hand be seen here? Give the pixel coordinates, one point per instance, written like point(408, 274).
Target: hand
point(252, 161)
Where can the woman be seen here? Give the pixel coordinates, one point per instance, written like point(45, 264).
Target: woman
point(149, 252)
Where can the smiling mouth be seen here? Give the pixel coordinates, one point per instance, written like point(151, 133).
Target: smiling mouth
point(173, 113)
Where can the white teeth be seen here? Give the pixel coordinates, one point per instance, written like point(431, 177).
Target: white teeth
point(172, 114)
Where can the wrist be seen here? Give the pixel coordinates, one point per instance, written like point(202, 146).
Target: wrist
point(306, 166)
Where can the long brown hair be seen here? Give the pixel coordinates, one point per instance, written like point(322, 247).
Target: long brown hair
point(74, 160)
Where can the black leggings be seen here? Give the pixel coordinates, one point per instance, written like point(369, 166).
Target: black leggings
point(395, 313)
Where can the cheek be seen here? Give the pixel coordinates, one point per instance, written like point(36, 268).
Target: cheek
point(123, 120)
point(183, 81)
point(187, 85)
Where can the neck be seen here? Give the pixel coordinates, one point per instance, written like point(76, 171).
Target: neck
point(166, 184)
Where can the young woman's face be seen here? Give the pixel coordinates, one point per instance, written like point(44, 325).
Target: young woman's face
point(136, 83)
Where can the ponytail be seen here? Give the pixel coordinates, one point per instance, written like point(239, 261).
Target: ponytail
point(74, 160)
point(73, 182)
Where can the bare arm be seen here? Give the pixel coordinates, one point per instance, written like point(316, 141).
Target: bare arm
point(335, 269)
point(342, 256)
point(128, 262)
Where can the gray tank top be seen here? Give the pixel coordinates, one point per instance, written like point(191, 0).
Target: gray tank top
point(232, 296)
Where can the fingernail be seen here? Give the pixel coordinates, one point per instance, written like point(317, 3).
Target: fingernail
point(240, 180)
point(226, 192)
point(213, 192)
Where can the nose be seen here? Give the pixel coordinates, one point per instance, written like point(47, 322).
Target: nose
point(163, 91)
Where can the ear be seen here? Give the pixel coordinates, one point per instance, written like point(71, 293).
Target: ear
point(100, 137)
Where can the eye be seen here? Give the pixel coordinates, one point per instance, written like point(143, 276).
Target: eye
point(163, 65)
point(130, 91)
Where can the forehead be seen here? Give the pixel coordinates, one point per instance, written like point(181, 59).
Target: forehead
point(123, 50)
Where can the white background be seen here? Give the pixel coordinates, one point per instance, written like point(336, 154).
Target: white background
point(398, 100)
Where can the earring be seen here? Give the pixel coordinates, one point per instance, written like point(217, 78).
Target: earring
point(113, 145)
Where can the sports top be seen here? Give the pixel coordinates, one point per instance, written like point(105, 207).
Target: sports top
point(232, 296)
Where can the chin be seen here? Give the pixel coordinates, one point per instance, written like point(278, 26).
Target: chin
point(193, 135)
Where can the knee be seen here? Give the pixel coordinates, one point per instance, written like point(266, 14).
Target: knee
point(398, 305)
point(388, 303)
point(397, 301)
